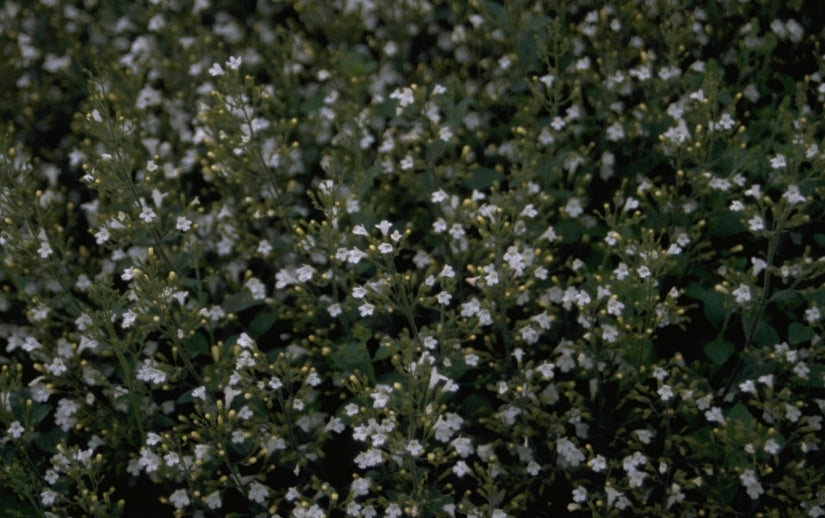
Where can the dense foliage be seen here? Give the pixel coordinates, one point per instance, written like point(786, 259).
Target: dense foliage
point(412, 258)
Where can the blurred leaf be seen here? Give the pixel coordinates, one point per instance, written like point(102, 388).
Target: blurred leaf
point(740, 413)
point(197, 345)
point(799, 333)
point(383, 353)
point(38, 413)
point(239, 302)
point(48, 441)
point(719, 351)
point(724, 224)
point(355, 63)
point(351, 357)
point(765, 335)
point(15, 507)
point(482, 178)
point(495, 12)
point(262, 322)
point(476, 405)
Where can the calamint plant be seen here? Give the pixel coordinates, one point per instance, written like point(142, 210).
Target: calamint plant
point(495, 258)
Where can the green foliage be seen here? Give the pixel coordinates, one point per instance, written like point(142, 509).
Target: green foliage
point(411, 258)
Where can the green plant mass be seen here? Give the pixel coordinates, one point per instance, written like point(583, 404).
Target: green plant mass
point(419, 258)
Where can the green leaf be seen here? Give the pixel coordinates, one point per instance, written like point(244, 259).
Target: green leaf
point(383, 353)
point(799, 333)
point(740, 413)
point(725, 224)
point(482, 178)
point(765, 335)
point(354, 63)
point(714, 308)
point(351, 357)
point(262, 322)
point(239, 302)
point(719, 350)
point(197, 345)
point(38, 413)
point(477, 405)
point(48, 441)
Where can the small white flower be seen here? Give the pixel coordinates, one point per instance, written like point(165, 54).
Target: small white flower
point(234, 62)
point(756, 224)
point(665, 392)
point(793, 196)
point(179, 499)
point(334, 309)
point(215, 70)
point(45, 250)
point(182, 224)
point(148, 215)
point(742, 293)
point(366, 309)
point(779, 161)
point(258, 492)
point(15, 429)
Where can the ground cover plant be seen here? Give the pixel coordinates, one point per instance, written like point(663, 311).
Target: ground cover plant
point(413, 258)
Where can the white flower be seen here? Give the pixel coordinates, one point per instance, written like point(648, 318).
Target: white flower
point(665, 392)
point(258, 492)
point(751, 484)
point(234, 62)
point(715, 415)
point(15, 429)
point(48, 497)
point(444, 298)
point(179, 499)
point(216, 70)
point(148, 215)
point(182, 224)
point(366, 309)
point(573, 208)
point(256, 288)
point(742, 293)
point(213, 500)
point(461, 468)
point(756, 224)
point(334, 309)
point(45, 250)
point(779, 161)
point(793, 196)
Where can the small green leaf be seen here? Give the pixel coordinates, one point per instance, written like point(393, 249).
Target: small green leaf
point(766, 335)
point(355, 63)
point(38, 413)
point(197, 345)
point(48, 441)
point(799, 333)
point(719, 351)
point(482, 178)
point(239, 302)
point(262, 322)
point(740, 413)
point(714, 308)
point(351, 357)
point(383, 353)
